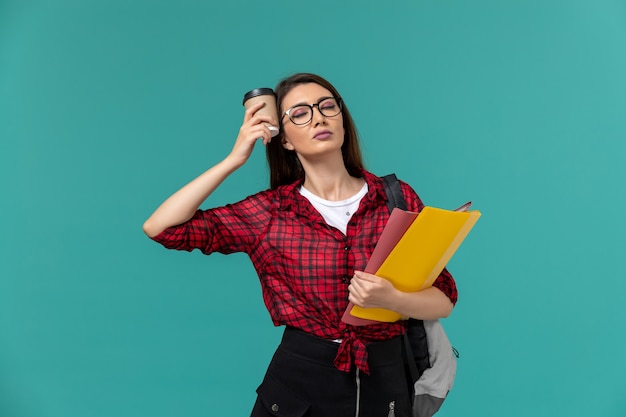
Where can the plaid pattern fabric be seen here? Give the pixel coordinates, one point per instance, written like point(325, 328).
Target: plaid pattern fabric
point(304, 264)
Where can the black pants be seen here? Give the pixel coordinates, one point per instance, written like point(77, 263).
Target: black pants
point(302, 381)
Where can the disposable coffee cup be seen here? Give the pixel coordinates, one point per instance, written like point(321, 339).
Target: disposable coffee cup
point(267, 96)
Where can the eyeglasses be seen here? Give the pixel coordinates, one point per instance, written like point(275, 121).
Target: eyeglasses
point(302, 114)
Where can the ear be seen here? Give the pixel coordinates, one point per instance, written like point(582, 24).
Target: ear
point(287, 145)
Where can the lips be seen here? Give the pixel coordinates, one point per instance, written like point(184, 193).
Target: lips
point(323, 134)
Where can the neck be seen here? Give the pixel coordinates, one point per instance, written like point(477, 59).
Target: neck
point(331, 181)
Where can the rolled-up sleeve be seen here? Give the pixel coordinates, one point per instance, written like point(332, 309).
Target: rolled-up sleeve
point(446, 284)
point(227, 229)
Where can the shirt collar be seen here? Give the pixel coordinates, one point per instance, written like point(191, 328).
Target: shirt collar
point(289, 194)
point(376, 187)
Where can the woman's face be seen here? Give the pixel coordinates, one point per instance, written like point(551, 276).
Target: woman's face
point(322, 134)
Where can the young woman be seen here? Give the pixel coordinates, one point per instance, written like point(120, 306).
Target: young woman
point(309, 237)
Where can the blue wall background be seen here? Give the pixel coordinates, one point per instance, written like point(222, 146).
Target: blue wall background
point(108, 107)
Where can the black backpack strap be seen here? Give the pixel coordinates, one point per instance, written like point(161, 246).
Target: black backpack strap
point(415, 344)
point(395, 198)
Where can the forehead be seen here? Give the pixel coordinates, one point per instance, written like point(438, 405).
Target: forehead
point(305, 93)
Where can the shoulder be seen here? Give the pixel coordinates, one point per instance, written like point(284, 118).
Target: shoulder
point(278, 198)
point(407, 190)
point(262, 200)
point(373, 181)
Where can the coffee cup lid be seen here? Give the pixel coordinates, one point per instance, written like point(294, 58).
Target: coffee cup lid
point(258, 92)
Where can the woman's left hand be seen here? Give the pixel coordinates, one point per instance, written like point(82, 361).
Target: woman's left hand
point(370, 291)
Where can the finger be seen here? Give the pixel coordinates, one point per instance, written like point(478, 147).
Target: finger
point(354, 300)
point(353, 294)
point(261, 133)
point(250, 111)
point(366, 277)
point(262, 118)
point(356, 287)
point(252, 128)
point(361, 275)
point(354, 283)
point(269, 133)
point(359, 278)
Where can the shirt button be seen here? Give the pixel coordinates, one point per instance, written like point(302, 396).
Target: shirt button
point(275, 408)
point(346, 248)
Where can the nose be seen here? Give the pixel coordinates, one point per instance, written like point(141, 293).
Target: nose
point(317, 117)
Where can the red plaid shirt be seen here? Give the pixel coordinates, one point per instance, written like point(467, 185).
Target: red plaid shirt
point(304, 264)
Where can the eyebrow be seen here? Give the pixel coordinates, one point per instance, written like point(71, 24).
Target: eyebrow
point(307, 104)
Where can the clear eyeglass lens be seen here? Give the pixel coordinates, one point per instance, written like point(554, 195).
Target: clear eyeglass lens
point(303, 114)
point(329, 107)
point(300, 114)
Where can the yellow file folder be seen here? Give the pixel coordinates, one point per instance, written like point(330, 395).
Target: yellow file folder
point(411, 253)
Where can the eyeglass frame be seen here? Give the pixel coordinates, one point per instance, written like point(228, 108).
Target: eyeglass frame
point(311, 106)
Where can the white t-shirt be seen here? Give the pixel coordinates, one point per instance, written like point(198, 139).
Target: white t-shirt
point(336, 213)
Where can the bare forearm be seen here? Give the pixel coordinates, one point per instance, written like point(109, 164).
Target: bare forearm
point(182, 205)
point(428, 304)
point(369, 291)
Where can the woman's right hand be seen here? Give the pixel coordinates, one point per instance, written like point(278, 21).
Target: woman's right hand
point(253, 129)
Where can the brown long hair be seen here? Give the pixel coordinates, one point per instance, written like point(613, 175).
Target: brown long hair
point(284, 165)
